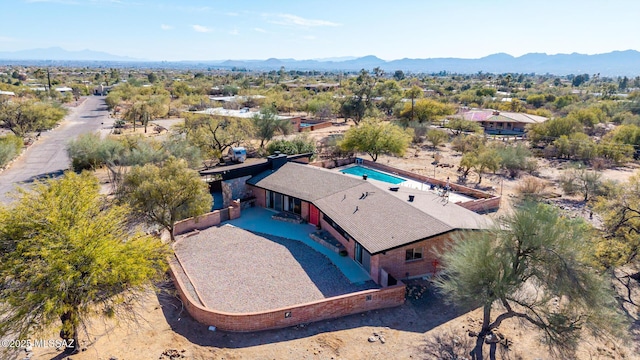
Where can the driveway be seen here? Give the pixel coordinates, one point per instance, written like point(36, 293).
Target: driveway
point(48, 156)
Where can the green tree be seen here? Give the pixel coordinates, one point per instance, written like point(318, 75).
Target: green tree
point(426, 110)
point(22, 117)
point(413, 93)
point(458, 126)
point(534, 267)
point(360, 100)
point(299, 145)
point(620, 212)
point(267, 125)
point(436, 137)
point(165, 194)
point(67, 254)
point(375, 137)
point(581, 180)
point(215, 135)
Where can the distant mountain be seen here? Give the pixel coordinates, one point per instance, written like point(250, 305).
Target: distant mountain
point(616, 63)
point(57, 53)
point(609, 64)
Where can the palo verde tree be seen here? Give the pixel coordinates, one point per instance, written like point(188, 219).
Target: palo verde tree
point(267, 125)
point(165, 194)
point(375, 137)
point(620, 212)
point(22, 117)
point(215, 135)
point(531, 268)
point(67, 254)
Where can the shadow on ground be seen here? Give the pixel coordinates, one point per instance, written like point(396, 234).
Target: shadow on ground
point(45, 176)
point(422, 311)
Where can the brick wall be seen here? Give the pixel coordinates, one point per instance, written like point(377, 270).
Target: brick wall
point(206, 220)
point(395, 264)
point(260, 194)
point(349, 245)
point(329, 308)
point(304, 210)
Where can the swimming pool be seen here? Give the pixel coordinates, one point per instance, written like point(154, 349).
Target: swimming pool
point(372, 174)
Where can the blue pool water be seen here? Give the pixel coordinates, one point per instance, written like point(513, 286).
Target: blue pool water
point(372, 174)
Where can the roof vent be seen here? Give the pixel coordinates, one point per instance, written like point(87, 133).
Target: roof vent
point(411, 197)
point(496, 112)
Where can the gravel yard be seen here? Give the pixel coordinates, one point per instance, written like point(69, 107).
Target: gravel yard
point(235, 270)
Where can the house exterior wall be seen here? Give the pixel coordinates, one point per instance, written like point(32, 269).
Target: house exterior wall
point(349, 245)
point(304, 210)
point(260, 194)
point(394, 261)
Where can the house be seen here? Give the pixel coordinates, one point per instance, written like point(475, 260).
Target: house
point(393, 233)
point(500, 122)
point(245, 113)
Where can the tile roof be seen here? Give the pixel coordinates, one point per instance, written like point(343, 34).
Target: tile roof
point(374, 216)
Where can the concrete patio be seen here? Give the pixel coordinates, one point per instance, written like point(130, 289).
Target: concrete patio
point(259, 220)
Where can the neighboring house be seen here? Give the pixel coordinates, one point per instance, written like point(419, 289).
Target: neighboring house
point(500, 122)
point(394, 233)
point(246, 114)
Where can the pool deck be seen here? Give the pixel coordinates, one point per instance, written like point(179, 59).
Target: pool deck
point(259, 220)
point(453, 196)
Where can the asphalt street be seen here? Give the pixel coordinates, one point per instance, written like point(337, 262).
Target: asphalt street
point(47, 157)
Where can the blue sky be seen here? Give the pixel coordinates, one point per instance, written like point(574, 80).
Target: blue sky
point(243, 29)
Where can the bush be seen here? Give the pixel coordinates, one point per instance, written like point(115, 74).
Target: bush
point(10, 147)
point(531, 187)
point(299, 145)
point(85, 152)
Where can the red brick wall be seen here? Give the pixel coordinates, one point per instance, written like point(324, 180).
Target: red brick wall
point(349, 245)
point(330, 308)
point(206, 220)
point(395, 264)
point(304, 213)
point(260, 194)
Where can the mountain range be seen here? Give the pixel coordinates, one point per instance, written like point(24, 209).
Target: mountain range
point(616, 63)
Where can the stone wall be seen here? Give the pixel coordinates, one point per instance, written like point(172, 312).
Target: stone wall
point(206, 220)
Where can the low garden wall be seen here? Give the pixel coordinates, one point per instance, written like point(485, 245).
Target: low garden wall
point(329, 308)
point(207, 220)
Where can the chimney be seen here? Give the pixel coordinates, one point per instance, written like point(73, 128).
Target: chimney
point(277, 160)
point(411, 197)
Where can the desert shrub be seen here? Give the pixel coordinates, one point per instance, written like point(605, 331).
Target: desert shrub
point(467, 143)
point(10, 146)
point(85, 152)
point(515, 159)
point(298, 145)
point(531, 187)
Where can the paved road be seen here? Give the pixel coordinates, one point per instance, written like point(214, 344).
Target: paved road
point(48, 156)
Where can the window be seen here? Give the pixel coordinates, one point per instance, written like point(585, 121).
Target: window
point(413, 254)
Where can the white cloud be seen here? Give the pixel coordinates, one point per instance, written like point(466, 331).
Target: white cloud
point(201, 29)
point(166, 27)
point(7, 39)
point(234, 32)
point(260, 30)
point(294, 20)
